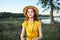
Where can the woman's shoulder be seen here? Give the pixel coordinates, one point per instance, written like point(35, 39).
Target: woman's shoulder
point(37, 22)
point(24, 23)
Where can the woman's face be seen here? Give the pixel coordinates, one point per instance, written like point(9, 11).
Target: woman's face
point(30, 13)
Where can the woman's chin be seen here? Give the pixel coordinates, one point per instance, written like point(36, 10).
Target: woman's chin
point(30, 17)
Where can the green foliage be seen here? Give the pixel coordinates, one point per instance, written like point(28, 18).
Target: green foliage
point(8, 15)
point(47, 4)
point(8, 36)
point(51, 33)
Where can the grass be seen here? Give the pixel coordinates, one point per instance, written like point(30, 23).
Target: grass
point(51, 32)
point(11, 30)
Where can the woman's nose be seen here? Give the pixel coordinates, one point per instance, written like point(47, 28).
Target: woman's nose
point(30, 14)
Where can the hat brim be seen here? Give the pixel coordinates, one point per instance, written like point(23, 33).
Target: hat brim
point(30, 7)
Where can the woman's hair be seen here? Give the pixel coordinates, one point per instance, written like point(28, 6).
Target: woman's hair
point(35, 16)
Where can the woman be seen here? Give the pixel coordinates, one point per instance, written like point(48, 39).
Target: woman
point(31, 25)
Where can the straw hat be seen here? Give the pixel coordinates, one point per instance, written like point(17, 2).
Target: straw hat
point(32, 7)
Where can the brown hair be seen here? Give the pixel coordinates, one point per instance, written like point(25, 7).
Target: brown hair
point(35, 15)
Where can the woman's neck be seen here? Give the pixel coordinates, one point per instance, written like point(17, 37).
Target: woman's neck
point(30, 19)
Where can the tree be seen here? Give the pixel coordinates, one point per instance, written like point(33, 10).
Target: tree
point(52, 4)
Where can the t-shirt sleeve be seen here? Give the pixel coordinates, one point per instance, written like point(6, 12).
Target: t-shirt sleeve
point(24, 24)
point(39, 24)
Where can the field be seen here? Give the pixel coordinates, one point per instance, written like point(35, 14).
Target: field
point(10, 29)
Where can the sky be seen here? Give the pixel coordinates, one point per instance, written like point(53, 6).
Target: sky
point(16, 6)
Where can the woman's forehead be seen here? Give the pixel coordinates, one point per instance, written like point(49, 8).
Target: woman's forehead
point(30, 9)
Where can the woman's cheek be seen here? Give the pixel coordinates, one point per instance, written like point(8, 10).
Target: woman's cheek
point(33, 14)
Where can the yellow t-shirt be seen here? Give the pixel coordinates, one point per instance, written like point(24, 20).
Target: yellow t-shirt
point(31, 29)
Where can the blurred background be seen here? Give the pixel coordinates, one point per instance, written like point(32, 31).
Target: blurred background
point(11, 18)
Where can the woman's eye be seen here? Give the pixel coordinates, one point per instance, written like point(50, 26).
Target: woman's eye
point(30, 12)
